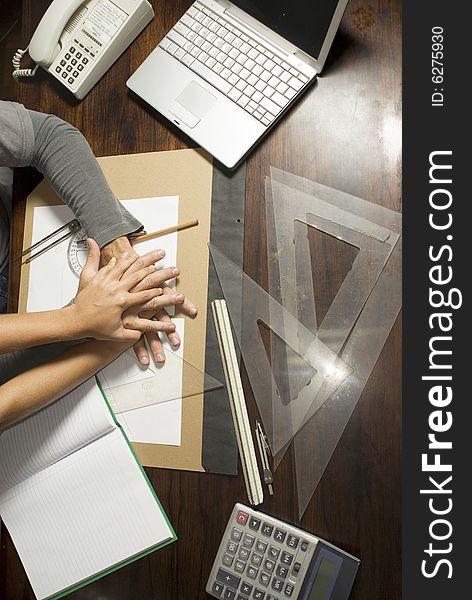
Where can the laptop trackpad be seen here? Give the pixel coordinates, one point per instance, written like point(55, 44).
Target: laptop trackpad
point(192, 104)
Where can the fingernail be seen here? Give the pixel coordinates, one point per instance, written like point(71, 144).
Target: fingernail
point(175, 341)
point(112, 260)
point(144, 360)
point(160, 253)
point(176, 271)
point(179, 298)
point(152, 267)
point(193, 310)
point(124, 255)
point(160, 358)
point(171, 328)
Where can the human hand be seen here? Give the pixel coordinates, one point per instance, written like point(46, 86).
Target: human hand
point(104, 296)
point(153, 339)
point(116, 248)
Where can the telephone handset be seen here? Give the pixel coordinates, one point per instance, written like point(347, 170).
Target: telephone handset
point(78, 41)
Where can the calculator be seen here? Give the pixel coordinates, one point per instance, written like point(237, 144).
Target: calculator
point(262, 558)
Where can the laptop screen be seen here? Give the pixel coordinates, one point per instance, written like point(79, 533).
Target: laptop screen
point(304, 23)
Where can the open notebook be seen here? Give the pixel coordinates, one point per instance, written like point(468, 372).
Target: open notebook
point(73, 496)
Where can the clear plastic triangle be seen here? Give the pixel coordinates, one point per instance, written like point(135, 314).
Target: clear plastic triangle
point(310, 371)
point(358, 319)
point(128, 385)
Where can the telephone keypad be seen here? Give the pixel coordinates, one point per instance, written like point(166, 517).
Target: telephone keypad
point(72, 63)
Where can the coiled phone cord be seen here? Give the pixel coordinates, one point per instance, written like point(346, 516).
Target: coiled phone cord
point(16, 62)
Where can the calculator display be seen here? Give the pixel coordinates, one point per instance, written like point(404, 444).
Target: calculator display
point(322, 575)
point(321, 589)
point(325, 577)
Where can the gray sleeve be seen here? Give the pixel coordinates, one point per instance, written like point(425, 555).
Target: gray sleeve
point(16, 135)
point(63, 155)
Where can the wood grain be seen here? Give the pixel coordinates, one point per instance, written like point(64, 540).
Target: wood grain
point(344, 133)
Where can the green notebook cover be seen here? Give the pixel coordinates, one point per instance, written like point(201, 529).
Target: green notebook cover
point(132, 559)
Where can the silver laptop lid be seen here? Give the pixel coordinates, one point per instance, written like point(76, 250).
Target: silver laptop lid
point(310, 25)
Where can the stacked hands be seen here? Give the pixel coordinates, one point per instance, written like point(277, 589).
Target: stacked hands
point(125, 301)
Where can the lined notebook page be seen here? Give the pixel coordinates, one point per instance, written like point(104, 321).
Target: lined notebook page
point(82, 515)
point(53, 433)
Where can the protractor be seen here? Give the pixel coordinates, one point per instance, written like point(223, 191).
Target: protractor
point(77, 252)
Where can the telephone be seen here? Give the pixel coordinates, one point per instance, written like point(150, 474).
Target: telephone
point(77, 41)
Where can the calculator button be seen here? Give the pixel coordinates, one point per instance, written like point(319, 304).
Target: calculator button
point(75, 74)
point(236, 534)
point(229, 594)
point(232, 548)
point(286, 558)
point(267, 529)
point(217, 588)
point(72, 49)
point(58, 69)
point(79, 54)
point(282, 571)
point(246, 588)
point(264, 578)
point(85, 60)
point(274, 552)
point(254, 523)
point(73, 61)
point(242, 517)
point(296, 568)
point(244, 553)
point(239, 566)
point(63, 74)
point(292, 541)
point(279, 535)
point(227, 578)
point(241, 597)
point(248, 540)
point(261, 546)
point(304, 546)
point(270, 597)
point(256, 559)
point(69, 68)
point(269, 565)
point(258, 594)
point(63, 63)
point(71, 80)
point(252, 572)
point(67, 56)
point(80, 67)
point(277, 584)
point(228, 560)
point(288, 590)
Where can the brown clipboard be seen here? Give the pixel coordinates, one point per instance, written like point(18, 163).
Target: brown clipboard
point(187, 174)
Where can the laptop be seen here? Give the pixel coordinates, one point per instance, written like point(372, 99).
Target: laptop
point(228, 71)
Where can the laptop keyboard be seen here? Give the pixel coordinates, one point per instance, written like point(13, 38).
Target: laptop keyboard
point(240, 67)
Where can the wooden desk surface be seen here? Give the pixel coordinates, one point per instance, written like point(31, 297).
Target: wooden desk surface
point(345, 133)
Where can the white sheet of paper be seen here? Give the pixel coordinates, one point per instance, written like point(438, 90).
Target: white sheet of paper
point(160, 423)
point(52, 284)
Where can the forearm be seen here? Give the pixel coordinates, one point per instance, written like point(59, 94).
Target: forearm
point(29, 392)
point(63, 155)
point(34, 329)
